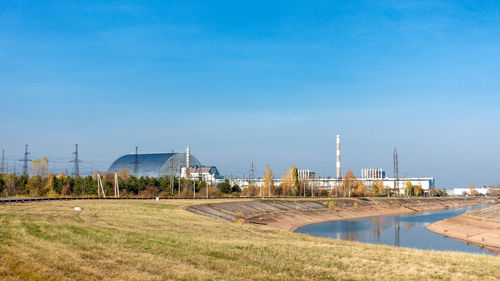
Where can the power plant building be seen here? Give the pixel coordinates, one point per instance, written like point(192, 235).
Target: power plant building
point(159, 164)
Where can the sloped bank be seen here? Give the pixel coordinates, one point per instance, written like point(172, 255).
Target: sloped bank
point(290, 214)
point(480, 227)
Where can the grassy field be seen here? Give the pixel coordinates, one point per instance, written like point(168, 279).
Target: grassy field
point(149, 240)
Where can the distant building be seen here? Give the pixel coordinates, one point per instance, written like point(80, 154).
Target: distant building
point(208, 174)
point(372, 173)
point(154, 165)
point(466, 191)
point(306, 174)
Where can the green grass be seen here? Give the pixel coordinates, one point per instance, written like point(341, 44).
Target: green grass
point(149, 240)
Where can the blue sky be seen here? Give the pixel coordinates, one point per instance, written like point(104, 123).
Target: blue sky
point(243, 81)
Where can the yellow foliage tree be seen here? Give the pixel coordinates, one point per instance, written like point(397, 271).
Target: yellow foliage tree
point(268, 181)
point(409, 188)
point(418, 190)
point(348, 183)
point(472, 189)
point(287, 182)
point(40, 167)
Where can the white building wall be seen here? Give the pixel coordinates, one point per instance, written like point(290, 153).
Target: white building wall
point(460, 191)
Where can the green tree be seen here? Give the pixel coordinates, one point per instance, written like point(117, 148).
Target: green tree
point(224, 187)
point(236, 189)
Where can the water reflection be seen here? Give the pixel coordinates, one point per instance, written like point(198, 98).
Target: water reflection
point(400, 231)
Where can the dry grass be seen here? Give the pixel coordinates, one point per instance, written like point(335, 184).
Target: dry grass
point(149, 240)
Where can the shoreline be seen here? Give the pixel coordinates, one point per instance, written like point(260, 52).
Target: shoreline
point(292, 214)
point(480, 231)
point(361, 212)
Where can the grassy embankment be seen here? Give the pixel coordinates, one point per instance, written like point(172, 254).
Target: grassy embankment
point(149, 240)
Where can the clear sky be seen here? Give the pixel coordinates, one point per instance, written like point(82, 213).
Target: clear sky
point(271, 82)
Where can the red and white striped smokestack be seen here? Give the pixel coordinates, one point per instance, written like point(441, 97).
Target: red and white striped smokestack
point(338, 157)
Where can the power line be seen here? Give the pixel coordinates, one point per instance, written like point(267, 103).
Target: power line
point(76, 169)
point(2, 167)
point(136, 162)
point(25, 160)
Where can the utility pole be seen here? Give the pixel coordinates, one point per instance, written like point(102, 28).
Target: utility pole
point(396, 172)
point(76, 169)
point(180, 178)
point(2, 167)
point(116, 186)
point(172, 173)
point(25, 160)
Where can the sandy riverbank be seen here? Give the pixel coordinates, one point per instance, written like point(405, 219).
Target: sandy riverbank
point(291, 214)
point(480, 227)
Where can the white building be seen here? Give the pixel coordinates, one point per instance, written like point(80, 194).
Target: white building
point(207, 174)
point(463, 191)
point(331, 184)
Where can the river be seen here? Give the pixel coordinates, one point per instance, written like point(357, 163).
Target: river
point(401, 231)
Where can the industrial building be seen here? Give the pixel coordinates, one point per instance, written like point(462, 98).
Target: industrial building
point(160, 164)
point(368, 178)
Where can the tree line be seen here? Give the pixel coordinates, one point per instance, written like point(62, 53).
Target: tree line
point(44, 184)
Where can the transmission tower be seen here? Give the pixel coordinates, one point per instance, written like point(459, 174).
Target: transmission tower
point(25, 160)
point(2, 166)
point(251, 173)
point(76, 169)
point(396, 172)
point(136, 162)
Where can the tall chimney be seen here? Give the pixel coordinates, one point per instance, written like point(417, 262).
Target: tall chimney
point(338, 157)
point(187, 161)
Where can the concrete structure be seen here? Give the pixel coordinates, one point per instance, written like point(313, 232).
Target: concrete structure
point(207, 174)
point(306, 174)
point(372, 173)
point(339, 175)
point(154, 164)
point(331, 184)
point(187, 162)
point(462, 191)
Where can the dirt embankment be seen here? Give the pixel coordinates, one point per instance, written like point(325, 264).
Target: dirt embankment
point(480, 227)
point(291, 214)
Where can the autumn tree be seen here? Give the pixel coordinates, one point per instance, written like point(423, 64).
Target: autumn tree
point(408, 188)
point(268, 181)
point(359, 189)
point(296, 185)
point(123, 174)
point(378, 188)
point(418, 190)
point(472, 189)
point(40, 167)
point(287, 182)
point(348, 182)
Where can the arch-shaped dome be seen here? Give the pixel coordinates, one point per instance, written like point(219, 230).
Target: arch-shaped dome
point(154, 164)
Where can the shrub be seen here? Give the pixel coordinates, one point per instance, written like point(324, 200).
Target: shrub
point(149, 191)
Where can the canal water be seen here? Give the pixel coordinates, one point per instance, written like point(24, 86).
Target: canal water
point(400, 231)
